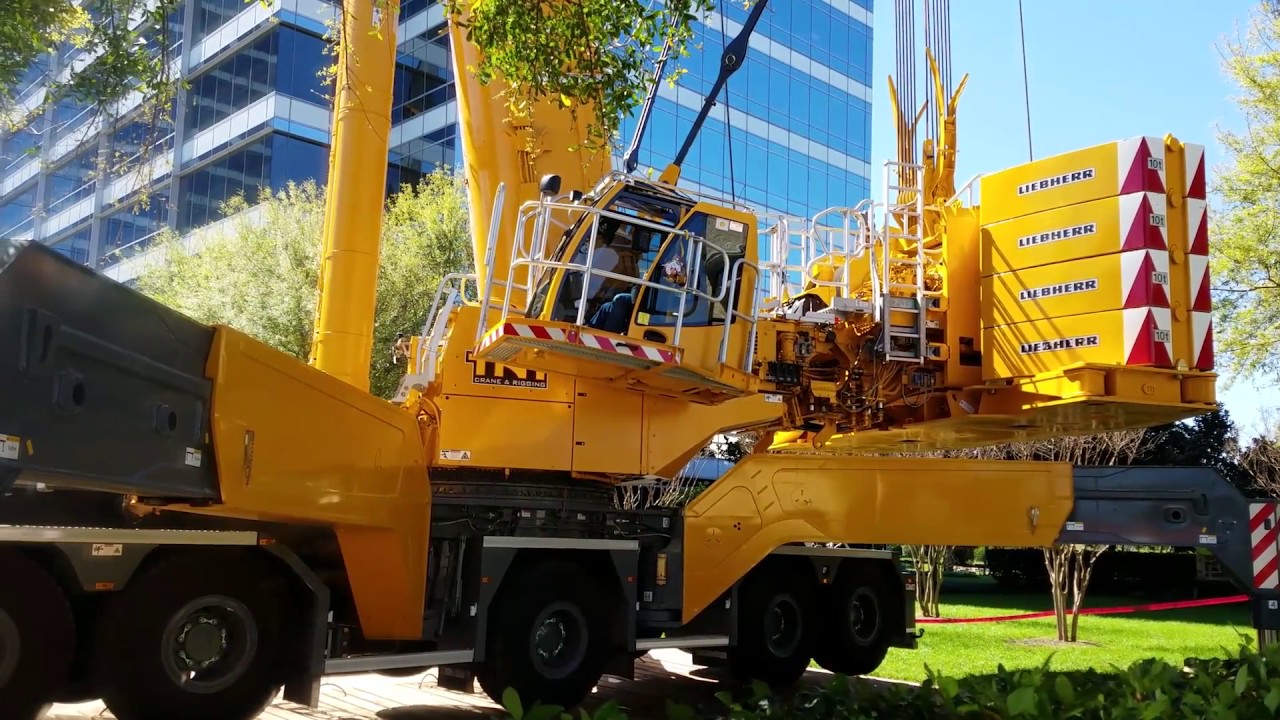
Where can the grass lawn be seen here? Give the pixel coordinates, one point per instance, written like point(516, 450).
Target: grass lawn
point(1105, 640)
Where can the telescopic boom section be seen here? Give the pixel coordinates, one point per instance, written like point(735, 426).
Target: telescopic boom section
point(343, 342)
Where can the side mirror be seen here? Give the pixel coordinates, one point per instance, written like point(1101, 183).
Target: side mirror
point(575, 196)
point(550, 185)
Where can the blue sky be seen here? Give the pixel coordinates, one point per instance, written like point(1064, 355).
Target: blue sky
point(1099, 70)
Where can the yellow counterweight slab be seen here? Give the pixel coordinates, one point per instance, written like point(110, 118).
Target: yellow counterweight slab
point(1134, 221)
point(1135, 336)
point(1134, 279)
point(1114, 168)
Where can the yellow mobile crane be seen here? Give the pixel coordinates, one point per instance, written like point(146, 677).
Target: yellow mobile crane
point(288, 524)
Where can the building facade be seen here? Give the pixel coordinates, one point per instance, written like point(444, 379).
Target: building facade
point(255, 115)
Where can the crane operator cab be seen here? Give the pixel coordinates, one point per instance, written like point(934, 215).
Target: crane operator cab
point(646, 286)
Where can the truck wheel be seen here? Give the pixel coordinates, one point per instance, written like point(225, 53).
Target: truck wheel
point(854, 623)
point(548, 636)
point(197, 637)
point(37, 637)
point(775, 605)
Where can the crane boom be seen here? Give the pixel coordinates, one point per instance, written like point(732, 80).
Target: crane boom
point(343, 338)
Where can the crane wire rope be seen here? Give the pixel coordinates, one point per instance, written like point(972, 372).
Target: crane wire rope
point(1026, 86)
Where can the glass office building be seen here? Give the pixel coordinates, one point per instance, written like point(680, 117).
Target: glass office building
point(255, 115)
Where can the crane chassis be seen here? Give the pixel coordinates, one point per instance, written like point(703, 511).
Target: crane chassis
point(194, 520)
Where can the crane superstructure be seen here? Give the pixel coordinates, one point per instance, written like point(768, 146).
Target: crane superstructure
point(286, 524)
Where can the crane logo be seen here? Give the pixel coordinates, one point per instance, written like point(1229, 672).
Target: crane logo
point(1057, 344)
point(492, 373)
point(1049, 236)
point(1056, 181)
point(1066, 288)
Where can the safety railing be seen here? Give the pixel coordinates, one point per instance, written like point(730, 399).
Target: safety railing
point(967, 190)
point(752, 317)
point(529, 251)
point(842, 245)
point(451, 293)
point(785, 235)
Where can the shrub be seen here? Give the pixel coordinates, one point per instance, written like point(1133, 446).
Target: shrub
point(1245, 686)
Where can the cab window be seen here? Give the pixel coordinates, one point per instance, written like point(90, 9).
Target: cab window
point(661, 308)
point(621, 247)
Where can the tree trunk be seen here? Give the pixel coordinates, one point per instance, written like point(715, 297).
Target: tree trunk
point(930, 568)
point(1084, 571)
point(1070, 568)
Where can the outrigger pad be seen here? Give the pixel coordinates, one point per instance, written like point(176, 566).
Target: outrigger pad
point(101, 387)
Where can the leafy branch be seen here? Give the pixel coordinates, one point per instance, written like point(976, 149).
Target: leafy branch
point(595, 53)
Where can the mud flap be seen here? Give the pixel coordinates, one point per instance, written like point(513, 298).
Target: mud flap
point(101, 388)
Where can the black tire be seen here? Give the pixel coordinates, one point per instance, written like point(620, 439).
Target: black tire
point(191, 603)
point(855, 622)
point(568, 605)
point(37, 637)
point(776, 604)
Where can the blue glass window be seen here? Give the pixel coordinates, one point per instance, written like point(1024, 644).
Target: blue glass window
point(72, 181)
point(75, 245)
point(423, 75)
point(17, 215)
point(213, 14)
point(421, 156)
point(129, 228)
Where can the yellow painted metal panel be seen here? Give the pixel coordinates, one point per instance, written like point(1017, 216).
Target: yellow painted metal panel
point(294, 444)
point(962, 318)
point(462, 373)
point(1090, 285)
point(499, 433)
point(607, 429)
point(1137, 336)
point(1126, 222)
point(1114, 168)
point(767, 501)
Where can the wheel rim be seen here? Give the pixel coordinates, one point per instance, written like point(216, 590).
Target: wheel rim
point(558, 640)
point(864, 616)
point(10, 647)
point(209, 644)
point(782, 630)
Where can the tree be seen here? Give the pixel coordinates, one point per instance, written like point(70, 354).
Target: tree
point(1245, 251)
point(1208, 440)
point(123, 79)
point(1070, 567)
point(1261, 461)
point(261, 278)
point(601, 52)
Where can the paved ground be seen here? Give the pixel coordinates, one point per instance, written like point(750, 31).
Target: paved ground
point(660, 675)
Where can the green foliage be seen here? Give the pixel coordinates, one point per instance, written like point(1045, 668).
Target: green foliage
point(125, 45)
point(261, 277)
point(1245, 686)
point(597, 52)
point(1245, 245)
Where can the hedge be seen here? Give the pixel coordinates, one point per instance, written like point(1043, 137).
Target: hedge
point(1245, 686)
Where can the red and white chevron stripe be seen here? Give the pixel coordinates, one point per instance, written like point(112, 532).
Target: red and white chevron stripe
point(593, 341)
point(1140, 162)
point(1195, 185)
point(1264, 532)
point(609, 344)
point(1202, 340)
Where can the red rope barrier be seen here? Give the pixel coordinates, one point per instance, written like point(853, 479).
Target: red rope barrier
point(1150, 607)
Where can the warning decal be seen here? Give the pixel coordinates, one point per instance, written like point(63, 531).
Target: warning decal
point(9, 445)
point(456, 455)
point(493, 373)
